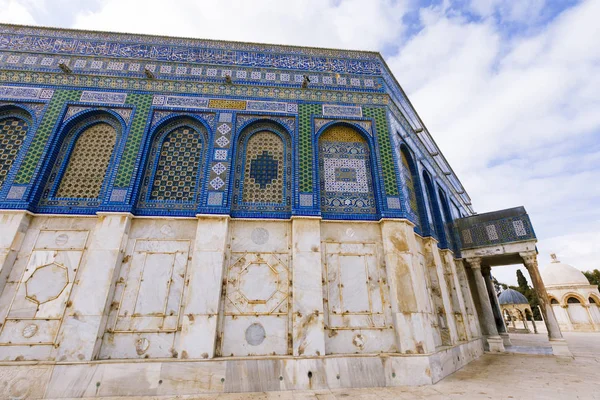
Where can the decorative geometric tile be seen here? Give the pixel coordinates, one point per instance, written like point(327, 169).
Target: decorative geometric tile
point(196, 71)
point(284, 77)
point(292, 108)
point(222, 141)
point(211, 72)
point(118, 195)
point(88, 163)
point(116, 66)
point(219, 168)
point(270, 76)
point(298, 78)
point(221, 155)
point(177, 168)
point(255, 75)
point(217, 183)
point(150, 67)
point(165, 69)
point(369, 83)
point(96, 65)
point(225, 117)
point(30, 60)
point(393, 203)
point(336, 110)
point(241, 74)
point(385, 148)
point(327, 80)
point(519, 228)
point(13, 59)
point(134, 67)
point(103, 97)
point(46, 62)
point(181, 70)
point(355, 81)
point(224, 129)
point(345, 173)
point(215, 199)
point(306, 200)
point(341, 81)
point(314, 79)
point(491, 232)
point(225, 72)
point(408, 178)
point(158, 100)
point(13, 132)
point(467, 238)
point(16, 192)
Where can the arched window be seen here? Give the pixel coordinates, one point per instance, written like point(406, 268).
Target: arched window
point(573, 300)
point(554, 301)
point(437, 225)
point(592, 300)
point(345, 177)
point(448, 228)
point(88, 162)
point(174, 166)
point(410, 181)
point(13, 130)
point(263, 170)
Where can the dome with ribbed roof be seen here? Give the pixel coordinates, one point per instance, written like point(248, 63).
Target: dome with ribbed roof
point(561, 274)
point(511, 296)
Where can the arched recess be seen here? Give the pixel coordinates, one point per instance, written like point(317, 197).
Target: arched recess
point(554, 301)
point(346, 173)
point(573, 300)
point(174, 166)
point(262, 179)
point(86, 147)
point(14, 127)
point(447, 219)
point(412, 188)
point(438, 225)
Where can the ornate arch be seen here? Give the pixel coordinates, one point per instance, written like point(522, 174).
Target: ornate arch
point(263, 170)
point(174, 165)
point(411, 185)
point(574, 295)
point(447, 218)
point(436, 222)
point(15, 124)
point(84, 149)
point(346, 166)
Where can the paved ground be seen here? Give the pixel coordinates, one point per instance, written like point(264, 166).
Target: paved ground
point(503, 376)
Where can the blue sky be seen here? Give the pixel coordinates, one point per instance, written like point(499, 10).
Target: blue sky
point(510, 90)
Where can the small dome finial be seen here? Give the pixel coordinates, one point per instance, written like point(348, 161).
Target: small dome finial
point(554, 258)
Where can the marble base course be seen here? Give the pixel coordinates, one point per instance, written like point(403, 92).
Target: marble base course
point(47, 380)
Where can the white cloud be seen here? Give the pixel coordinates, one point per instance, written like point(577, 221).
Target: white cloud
point(14, 12)
point(517, 117)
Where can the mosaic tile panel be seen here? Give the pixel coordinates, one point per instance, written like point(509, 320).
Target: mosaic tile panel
point(142, 102)
point(13, 132)
point(40, 140)
point(263, 170)
point(385, 148)
point(345, 172)
point(174, 166)
point(409, 185)
point(305, 140)
point(178, 166)
point(88, 163)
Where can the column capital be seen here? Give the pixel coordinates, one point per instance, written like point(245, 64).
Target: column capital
point(486, 269)
point(529, 258)
point(475, 262)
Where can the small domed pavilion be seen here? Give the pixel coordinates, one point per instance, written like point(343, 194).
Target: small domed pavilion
point(574, 300)
point(515, 307)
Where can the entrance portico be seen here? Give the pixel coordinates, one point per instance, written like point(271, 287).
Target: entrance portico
point(500, 238)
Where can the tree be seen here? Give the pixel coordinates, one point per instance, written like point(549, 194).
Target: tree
point(593, 277)
point(529, 293)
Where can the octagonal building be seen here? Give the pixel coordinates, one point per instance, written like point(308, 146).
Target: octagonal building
point(238, 216)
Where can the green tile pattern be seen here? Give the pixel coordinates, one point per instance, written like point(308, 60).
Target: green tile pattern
point(305, 143)
point(142, 102)
point(385, 148)
point(40, 140)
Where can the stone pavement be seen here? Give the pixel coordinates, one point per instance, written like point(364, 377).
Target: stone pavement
point(493, 376)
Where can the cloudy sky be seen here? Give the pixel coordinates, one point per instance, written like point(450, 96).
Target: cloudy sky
point(510, 90)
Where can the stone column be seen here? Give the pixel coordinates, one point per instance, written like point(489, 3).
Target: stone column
point(559, 345)
point(411, 308)
point(307, 308)
point(502, 331)
point(205, 280)
point(494, 340)
point(13, 227)
point(84, 323)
